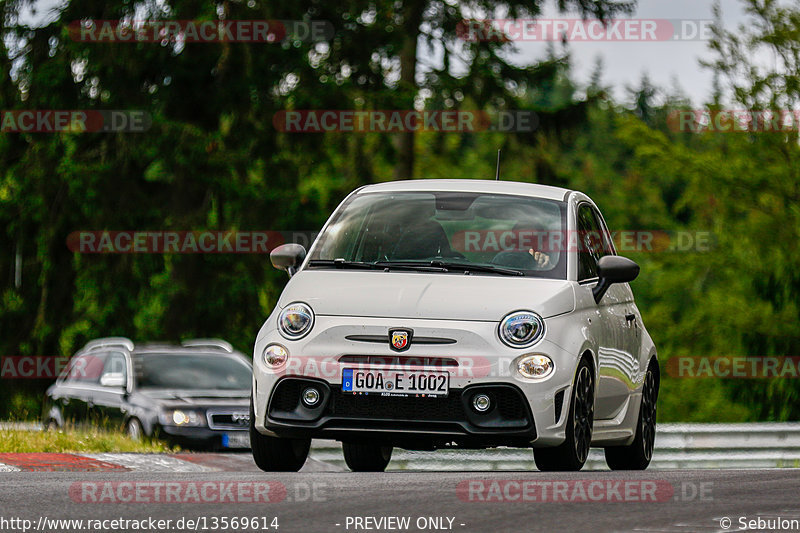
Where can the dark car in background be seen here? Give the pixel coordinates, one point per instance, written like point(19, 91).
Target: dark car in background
point(195, 394)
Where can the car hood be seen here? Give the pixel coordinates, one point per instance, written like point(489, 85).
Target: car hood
point(177, 398)
point(428, 296)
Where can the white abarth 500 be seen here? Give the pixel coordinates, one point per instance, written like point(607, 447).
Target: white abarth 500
point(456, 313)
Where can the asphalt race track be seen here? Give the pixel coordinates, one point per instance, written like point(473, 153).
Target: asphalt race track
point(319, 499)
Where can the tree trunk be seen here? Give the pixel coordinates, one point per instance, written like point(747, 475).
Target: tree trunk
point(413, 10)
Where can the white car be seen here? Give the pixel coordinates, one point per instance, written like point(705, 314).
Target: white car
point(436, 314)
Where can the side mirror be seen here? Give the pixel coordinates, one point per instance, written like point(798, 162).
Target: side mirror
point(113, 379)
point(613, 269)
point(288, 257)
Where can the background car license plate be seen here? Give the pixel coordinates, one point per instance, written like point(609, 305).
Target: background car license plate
point(396, 383)
point(239, 439)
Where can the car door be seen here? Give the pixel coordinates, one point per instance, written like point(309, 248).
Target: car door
point(74, 397)
point(618, 365)
point(629, 319)
point(108, 399)
point(592, 244)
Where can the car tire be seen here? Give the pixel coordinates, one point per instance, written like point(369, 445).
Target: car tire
point(133, 429)
point(637, 455)
point(572, 453)
point(274, 454)
point(366, 457)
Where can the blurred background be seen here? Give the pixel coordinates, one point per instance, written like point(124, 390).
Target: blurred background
point(215, 157)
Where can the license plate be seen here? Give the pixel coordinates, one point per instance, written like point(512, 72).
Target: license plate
point(396, 383)
point(240, 439)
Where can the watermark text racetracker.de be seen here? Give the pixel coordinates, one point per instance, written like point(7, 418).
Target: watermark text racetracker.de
point(734, 120)
point(84, 367)
point(74, 121)
point(581, 491)
point(184, 242)
point(180, 492)
point(39, 367)
point(403, 120)
point(149, 523)
point(200, 31)
point(734, 367)
point(585, 30)
point(558, 241)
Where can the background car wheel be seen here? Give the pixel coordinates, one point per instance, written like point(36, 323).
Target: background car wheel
point(365, 457)
point(134, 429)
point(637, 455)
point(273, 454)
point(572, 454)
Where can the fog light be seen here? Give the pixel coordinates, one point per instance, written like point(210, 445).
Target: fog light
point(481, 403)
point(275, 355)
point(311, 396)
point(535, 366)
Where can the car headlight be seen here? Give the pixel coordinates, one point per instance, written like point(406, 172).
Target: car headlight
point(275, 355)
point(179, 417)
point(296, 320)
point(521, 329)
point(535, 366)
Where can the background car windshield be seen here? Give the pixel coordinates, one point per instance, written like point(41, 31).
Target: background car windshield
point(516, 232)
point(190, 371)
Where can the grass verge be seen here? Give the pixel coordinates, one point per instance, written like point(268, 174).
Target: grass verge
point(75, 440)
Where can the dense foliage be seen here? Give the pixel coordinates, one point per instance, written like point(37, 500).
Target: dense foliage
point(213, 159)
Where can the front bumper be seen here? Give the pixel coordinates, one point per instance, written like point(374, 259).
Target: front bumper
point(483, 362)
point(340, 415)
point(203, 437)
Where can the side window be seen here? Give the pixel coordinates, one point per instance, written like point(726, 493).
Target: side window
point(115, 366)
point(86, 368)
point(607, 246)
point(590, 243)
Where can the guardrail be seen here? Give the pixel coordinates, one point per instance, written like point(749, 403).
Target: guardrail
point(20, 426)
point(752, 445)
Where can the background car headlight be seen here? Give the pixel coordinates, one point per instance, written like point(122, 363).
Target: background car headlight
point(275, 355)
point(296, 320)
point(521, 329)
point(535, 366)
point(179, 417)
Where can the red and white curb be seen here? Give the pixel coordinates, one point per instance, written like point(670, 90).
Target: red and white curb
point(125, 462)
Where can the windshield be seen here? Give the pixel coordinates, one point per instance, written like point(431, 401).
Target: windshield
point(484, 230)
point(191, 372)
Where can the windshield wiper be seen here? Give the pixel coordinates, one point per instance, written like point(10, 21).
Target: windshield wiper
point(341, 263)
point(447, 266)
point(380, 265)
point(478, 268)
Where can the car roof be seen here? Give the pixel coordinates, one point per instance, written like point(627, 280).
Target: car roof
point(204, 346)
point(170, 349)
point(479, 186)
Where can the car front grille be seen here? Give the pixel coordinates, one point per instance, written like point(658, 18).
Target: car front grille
point(347, 405)
point(400, 361)
point(228, 419)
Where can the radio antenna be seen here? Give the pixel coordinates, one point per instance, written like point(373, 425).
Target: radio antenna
point(497, 172)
